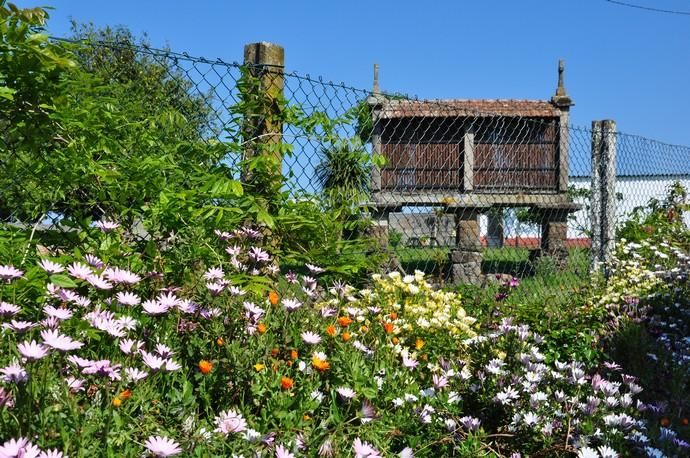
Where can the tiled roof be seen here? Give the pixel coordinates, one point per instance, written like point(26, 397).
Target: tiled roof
point(477, 107)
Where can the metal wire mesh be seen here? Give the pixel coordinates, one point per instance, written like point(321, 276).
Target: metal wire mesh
point(459, 188)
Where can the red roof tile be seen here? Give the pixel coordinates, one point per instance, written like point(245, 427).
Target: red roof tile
point(477, 107)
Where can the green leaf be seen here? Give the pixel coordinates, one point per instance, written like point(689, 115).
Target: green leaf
point(7, 93)
point(63, 281)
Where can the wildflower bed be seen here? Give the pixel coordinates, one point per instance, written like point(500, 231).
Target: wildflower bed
point(101, 356)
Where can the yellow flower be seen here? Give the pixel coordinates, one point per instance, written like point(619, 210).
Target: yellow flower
point(418, 344)
point(117, 402)
point(258, 367)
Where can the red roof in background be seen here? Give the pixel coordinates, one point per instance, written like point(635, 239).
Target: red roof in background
point(477, 107)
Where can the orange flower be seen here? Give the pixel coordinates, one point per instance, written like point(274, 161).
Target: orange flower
point(393, 315)
point(419, 343)
point(117, 402)
point(388, 327)
point(261, 328)
point(320, 364)
point(205, 366)
point(126, 394)
point(665, 421)
point(684, 421)
point(220, 342)
point(306, 417)
point(346, 336)
point(274, 352)
point(331, 331)
point(395, 340)
point(273, 297)
point(294, 354)
point(344, 321)
point(364, 329)
point(286, 383)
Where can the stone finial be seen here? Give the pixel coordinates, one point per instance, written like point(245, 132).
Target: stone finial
point(561, 99)
point(376, 89)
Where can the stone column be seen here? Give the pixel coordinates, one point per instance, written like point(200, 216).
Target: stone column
point(554, 231)
point(380, 224)
point(466, 258)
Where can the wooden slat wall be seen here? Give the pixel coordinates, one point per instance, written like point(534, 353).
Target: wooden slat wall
point(521, 166)
point(518, 154)
point(426, 165)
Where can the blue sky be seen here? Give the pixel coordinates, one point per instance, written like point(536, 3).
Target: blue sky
point(626, 64)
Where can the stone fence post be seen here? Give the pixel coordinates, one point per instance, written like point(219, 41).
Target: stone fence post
point(603, 205)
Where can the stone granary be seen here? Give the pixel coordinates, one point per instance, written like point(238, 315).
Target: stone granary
point(470, 156)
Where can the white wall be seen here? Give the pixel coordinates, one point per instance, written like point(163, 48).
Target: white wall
point(636, 192)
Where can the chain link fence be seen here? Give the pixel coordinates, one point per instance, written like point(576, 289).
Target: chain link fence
point(462, 189)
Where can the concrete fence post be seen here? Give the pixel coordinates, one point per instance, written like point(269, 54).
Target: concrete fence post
point(603, 204)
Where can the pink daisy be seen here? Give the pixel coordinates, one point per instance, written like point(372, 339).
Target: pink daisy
point(282, 452)
point(50, 266)
point(155, 362)
point(14, 373)
point(129, 346)
point(59, 313)
point(94, 261)
point(79, 270)
point(32, 351)
point(19, 326)
point(133, 374)
point(291, 304)
point(97, 281)
point(7, 309)
point(127, 298)
point(162, 446)
point(117, 275)
point(54, 339)
point(10, 273)
point(230, 421)
point(74, 384)
point(106, 225)
point(154, 307)
point(215, 273)
point(310, 338)
point(346, 393)
point(19, 448)
point(364, 449)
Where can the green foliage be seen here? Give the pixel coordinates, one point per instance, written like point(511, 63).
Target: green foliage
point(660, 219)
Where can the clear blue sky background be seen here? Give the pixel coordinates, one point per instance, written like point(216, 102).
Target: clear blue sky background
point(622, 63)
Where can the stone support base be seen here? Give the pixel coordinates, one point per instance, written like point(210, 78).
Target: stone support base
point(466, 258)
